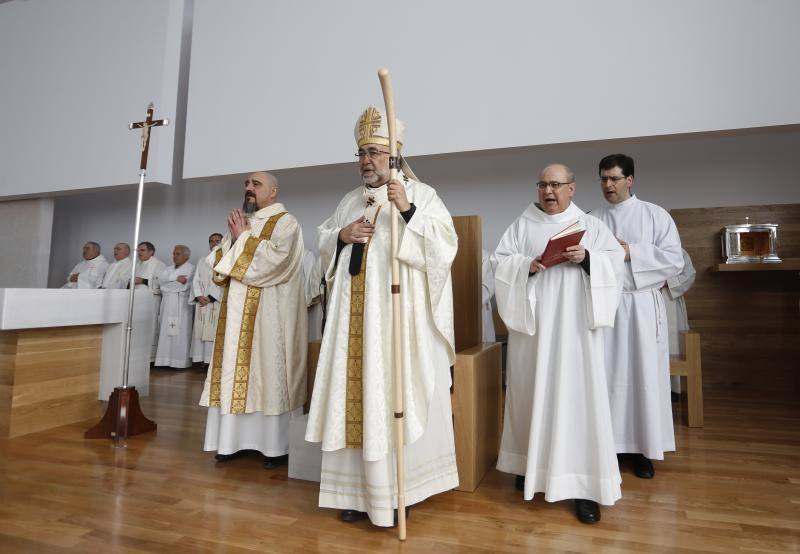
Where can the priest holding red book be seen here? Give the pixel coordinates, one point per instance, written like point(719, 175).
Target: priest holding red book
point(558, 276)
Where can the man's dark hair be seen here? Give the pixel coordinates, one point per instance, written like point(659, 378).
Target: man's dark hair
point(625, 163)
point(149, 246)
point(215, 235)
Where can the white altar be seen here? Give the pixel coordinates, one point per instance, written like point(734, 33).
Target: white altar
point(22, 309)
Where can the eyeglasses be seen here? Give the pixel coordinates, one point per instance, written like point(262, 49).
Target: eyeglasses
point(372, 153)
point(613, 178)
point(555, 185)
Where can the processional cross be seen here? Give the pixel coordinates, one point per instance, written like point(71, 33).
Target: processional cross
point(123, 416)
point(145, 127)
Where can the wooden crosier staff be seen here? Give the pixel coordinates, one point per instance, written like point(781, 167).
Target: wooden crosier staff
point(123, 416)
point(399, 430)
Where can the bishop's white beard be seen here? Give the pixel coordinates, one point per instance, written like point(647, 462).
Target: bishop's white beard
point(376, 177)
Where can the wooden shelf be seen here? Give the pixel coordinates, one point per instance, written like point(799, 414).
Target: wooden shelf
point(788, 264)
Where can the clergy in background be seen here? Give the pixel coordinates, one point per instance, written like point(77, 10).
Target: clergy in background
point(147, 271)
point(637, 348)
point(487, 292)
point(557, 436)
point(677, 317)
point(89, 273)
point(118, 274)
point(352, 404)
point(257, 379)
point(175, 317)
point(205, 297)
point(312, 276)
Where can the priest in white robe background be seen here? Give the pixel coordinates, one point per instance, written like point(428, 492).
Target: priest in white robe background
point(118, 274)
point(257, 379)
point(557, 436)
point(147, 271)
point(637, 348)
point(89, 273)
point(205, 298)
point(675, 305)
point(487, 292)
point(312, 276)
point(352, 404)
point(176, 316)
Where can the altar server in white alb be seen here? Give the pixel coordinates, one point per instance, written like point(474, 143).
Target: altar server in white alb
point(312, 276)
point(147, 271)
point(205, 298)
point(673, 293)
point(118, 274)
point(175, 318)
point(257, 379)
point(89, 273)
point(352, 404)
point(637, 348)
point(557, 435)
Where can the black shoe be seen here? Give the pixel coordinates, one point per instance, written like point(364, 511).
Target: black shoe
point(587, 511)
point(643, 467)
point(351, 516)
point(519, 483)
point(227, 457)
point(408, 513)
point(273, 462)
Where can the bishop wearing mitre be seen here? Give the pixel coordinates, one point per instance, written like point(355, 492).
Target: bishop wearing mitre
point(351, 408)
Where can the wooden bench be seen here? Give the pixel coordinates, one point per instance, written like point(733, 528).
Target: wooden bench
point(688, 365)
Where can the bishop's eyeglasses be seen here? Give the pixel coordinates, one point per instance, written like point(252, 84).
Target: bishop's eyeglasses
point(372, 153)
point(555, 185)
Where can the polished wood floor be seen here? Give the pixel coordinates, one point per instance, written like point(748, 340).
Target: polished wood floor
point(733, 486)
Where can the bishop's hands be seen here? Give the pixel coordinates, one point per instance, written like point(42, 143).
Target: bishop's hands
point(73, 278)
point(203, 300)
point(182, 279)
point(237, 223)
point(396, 192)
point(358, 231)
point(627, 248)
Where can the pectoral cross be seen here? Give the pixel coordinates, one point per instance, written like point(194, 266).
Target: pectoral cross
point(145, 127)
point(172, 325)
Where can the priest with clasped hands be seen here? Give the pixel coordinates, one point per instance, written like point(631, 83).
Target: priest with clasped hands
point(557, 436)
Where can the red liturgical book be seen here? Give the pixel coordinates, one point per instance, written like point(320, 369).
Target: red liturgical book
point(559, 242)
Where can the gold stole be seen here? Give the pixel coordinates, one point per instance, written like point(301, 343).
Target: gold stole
point(245, 346)
point(354, 403)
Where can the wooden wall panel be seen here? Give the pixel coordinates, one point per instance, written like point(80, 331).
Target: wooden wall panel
point(466, 274)
point(48, 378)
point(749, 322)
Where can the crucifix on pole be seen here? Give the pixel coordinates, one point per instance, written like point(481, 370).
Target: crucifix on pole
point(124, 416)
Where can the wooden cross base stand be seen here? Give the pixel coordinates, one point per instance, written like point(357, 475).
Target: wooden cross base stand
point(123, 417)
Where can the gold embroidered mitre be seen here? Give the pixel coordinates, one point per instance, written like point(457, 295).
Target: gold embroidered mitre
point(372, 128)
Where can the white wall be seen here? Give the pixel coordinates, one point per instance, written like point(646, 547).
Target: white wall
point(26, 228)
point(74, 75)
point(279, 84)
point(746, 168)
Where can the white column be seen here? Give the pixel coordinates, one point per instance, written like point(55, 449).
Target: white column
point(26, 228)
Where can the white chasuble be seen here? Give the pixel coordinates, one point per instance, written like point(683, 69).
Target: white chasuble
point(149, 271)
point(637, 348)
point(259, 361)
point(557, 427)
point(352, 405)
point(175, 318)
point(90, 274)
point(118, 275)
point(205, 317)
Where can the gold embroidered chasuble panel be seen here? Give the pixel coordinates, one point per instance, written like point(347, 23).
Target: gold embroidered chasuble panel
point(245, 344)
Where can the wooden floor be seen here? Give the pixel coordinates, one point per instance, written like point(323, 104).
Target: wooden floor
point(733, 486)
